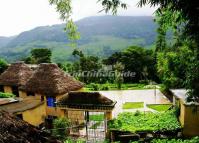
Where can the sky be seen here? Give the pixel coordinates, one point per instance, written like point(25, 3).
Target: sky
point(23, 15)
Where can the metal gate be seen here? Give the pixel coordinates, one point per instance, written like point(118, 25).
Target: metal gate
point(95, 126)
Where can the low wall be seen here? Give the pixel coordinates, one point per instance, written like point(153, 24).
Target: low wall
point(35, 116)
point(189, 118)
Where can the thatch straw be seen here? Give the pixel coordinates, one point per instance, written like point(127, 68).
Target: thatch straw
point(15, 130)
point(16, 75)
point(50, 80)
point(85, 98)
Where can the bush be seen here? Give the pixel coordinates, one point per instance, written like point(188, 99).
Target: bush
point(194, 140)
point(105, 87)
point(94, 86)
point(3, 65)
point(6, 95)
point(60, 128)
point(127, 121)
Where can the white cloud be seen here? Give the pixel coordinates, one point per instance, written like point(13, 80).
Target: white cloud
point(21, 15)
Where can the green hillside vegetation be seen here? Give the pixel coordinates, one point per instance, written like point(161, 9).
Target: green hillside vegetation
point(101, 36)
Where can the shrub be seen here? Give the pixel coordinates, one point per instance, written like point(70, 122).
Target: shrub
point(6, 95)
point(3, 65)
point(94, 86)
point(105, 87)
point(60, 128)
point(127, 121)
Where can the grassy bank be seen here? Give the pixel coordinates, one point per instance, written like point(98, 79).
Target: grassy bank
point(109, 86)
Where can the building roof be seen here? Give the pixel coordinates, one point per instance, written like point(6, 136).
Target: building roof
point(21, 106)
point(180, 93)
point(15, 130)
point(50, 80)
point(86, 100)
point(17, 74)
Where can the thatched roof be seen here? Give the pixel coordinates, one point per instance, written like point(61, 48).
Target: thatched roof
point(15, 130)
point(21, 106)
point(50, 80)
point(17, 74)
point(85, 100)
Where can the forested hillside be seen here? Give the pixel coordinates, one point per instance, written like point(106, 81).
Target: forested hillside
point(100, 36)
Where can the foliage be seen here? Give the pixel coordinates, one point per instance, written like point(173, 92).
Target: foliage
point(110, 86)
point(6, 95)
point(137, 60)
point(118, 74)
point(87, 66)
point(39, 56)
point(192, 80)
point(172, 66)
point(3, 65)
point(127, 121)
point(133, 105)
point(94, 86)
point(60, 128)
point(65, 10)
point(69, 140)
point(193, 140)
point(159, 107)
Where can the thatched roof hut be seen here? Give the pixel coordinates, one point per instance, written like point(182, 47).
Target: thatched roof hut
point(17, 74)
point(15, 130)
point(50, 80)
point(86, 100)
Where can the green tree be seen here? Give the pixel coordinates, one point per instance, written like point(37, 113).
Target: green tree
point(41, 55)
point(3, 65)
point(172, 66)
point(118, 74)
point(135, 59)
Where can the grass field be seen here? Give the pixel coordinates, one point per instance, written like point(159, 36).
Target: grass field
point(160, 108)
point(110, 86)
point(133, 105)
point(99, 117)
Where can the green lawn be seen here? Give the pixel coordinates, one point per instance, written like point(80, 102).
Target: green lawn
point(99, 117)
point(158, 107)
point(133, 105)
point(110, 86)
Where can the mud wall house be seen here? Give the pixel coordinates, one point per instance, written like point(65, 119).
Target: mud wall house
point(51, 83)
point(27, 106)
point(15, 76)
point(15, 130)
point(29, 109)
point(189, 113)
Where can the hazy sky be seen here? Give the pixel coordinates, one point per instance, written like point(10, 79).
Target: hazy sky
point(21, 15)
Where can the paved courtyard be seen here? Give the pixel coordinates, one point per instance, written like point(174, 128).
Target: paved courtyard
point(150, 96)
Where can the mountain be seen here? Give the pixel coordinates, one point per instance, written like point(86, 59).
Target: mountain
point(102, 36)
point(5, 40)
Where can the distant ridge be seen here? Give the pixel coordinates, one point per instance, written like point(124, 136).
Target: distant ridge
point(101, 35)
